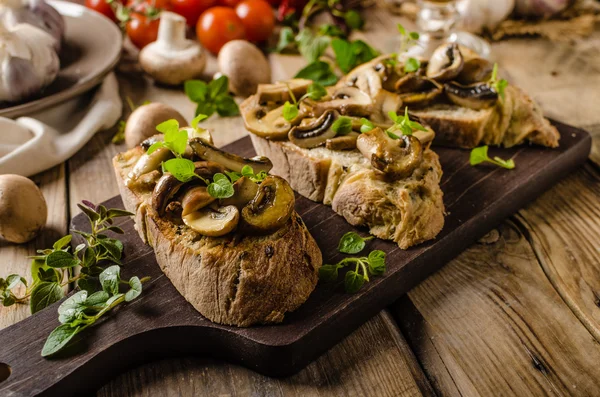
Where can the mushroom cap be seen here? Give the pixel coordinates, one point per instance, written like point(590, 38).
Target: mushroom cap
point(271, 208)
point(213, 223)
point(142, 123)
point(23, 209)
point(245, 65)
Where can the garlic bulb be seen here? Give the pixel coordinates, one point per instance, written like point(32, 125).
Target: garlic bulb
point(33, 12)
point(478, 15)
point(540, 9)
point(28, 61)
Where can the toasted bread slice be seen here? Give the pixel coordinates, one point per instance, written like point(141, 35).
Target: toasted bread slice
point(511, 122)
point(235, 279)
point(408, 211)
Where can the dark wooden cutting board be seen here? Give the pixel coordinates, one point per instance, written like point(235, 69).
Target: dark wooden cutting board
point(161, 323)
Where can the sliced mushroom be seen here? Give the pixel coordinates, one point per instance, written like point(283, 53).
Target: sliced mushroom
point(349, 101)
point(418, 91)
point(165, 189)
point(475, 70)
point(194, 199)
point(201, 133)
point(425, 137)
point(385, 102)
point(269, 124)
point(445, 63)
point(148, 163)
point(230, 161)
point(396, 158)
point(314, 134)
point(213, 223)
point(280, 91)
point(151, 141)
point(244, 191)
point(271, 208)
point(475, 96)
point(208, 169)
point(344, 142)
point(388, 73)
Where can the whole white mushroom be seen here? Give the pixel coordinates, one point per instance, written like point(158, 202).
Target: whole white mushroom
point(245, 65)
point(23, 210)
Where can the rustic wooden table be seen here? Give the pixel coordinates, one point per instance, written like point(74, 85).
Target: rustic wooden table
point(518, 313)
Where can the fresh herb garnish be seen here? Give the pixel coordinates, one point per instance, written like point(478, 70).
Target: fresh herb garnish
point(366, 125)
point(412, 65)
point(311, 46)
point(315, 91)
point(180, 168)
point(212, 97)
point(407, 40)
point(403, 123)
point(354, 20)
point(320, 72)
point(342, 126)
point(286, 39)
point(480, 155)
point(498, 85)
point(221, 187)
point(248, 172)
point(373, 264)
point(352, 243)
point(348, 54)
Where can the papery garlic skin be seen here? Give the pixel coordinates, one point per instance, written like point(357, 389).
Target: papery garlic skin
point(28, 62)
point(33, 12)
point(479, 15)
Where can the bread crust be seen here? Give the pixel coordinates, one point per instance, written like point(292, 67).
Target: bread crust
point(233, 280)
point(408, 211)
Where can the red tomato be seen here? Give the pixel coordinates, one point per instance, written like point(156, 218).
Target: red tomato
point(142, 30)
point(191, 9)
point(229, 3)
point(102, 7)
point(217, 26)
point(258, 19)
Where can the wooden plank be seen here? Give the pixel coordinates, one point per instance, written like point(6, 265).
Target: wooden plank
point(490, 323)
point(13, 257)
point(374, 360)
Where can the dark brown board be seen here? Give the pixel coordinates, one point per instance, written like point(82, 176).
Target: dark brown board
point(162, 323)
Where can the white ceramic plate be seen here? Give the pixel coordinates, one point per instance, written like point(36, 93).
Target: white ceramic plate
point(91, 49)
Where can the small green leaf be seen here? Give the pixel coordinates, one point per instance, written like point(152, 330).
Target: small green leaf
point(352, 243)
point(226, 106)
point(353, 282)
point(59, 339)
point(118, 213)
point(93, 215)
point(234, 176)
point(414, 35)
point(218, 87)
point(319, 72)
point(207, 108)
point(315, 91)
point(154, 147)
point(366, 125)
point(353, 19)
point(376, 262)
point(44, 294)
point(199, 118)
point(176, 140)
point(412, 65)
point(89, 257)
point(168, 126)
point(331, 30)
point(478, 155)
point(60, 244)
point(89, 284)
point(342, 126)
point(290, 111)
point(13, 280)
point(62, 259)
point(247, 171)
point(328, 273)
point(182, 169)
point(196, 90)
point(136, 289)
point(221, 187)
point(311, 46)
point(72, 308)
point(110, 278)
point(113, 246)
point(98, 298)
point(345, 57)
point(401, 29)
point(286, 39)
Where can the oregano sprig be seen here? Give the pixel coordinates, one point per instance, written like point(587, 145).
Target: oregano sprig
point(498, 85)
point(407, 40)
point(480, 155)
point(315, 91)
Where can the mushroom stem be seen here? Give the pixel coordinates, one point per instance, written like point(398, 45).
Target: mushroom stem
point(171, 31)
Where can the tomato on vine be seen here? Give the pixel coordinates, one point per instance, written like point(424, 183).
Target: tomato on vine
point(191, 9)
point(217, 26)
point(258, 19)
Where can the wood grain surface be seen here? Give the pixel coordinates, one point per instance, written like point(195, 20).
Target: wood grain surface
point(564, 79)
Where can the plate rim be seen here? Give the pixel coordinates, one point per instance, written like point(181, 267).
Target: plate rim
point(25, 109)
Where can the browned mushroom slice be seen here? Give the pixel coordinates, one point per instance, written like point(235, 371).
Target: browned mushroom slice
point(264, 121)
point(475, 70)
point(165, 189)
point(475, 96)
point(280, 91)
point(397, 158)
point(344, 142)
point(418, 91)
point(314, 134)
point(207, 169)
point(194, 199)
point(244, 191)
point(230, 161)
point(271, 208)
point(213, 222)
point(349, 101)
point(445, 63)
point(388, 72)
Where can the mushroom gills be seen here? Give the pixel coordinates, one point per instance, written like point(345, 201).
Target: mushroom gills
point(213, 222)
point(230, 161)
point(314, 134)
point(244, 191)
point(475, 96)
point(397, 158)
point(271, 208)
point(445, 63)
